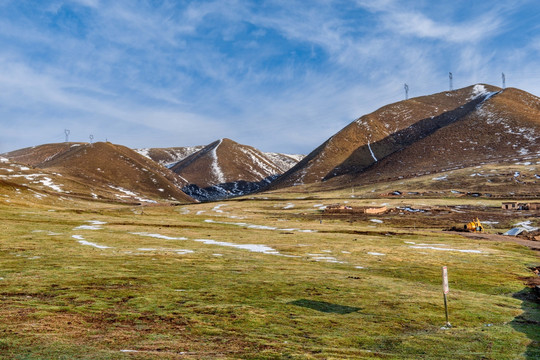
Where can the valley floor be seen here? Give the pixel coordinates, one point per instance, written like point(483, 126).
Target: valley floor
point(267, 277)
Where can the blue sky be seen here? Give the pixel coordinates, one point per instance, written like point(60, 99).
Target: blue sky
point(279, 75)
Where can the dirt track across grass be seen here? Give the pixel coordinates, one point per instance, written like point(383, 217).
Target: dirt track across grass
point(533, 245)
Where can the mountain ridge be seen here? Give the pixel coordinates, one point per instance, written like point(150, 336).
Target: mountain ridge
point(225, 168)
point(389, 129)
point(109, 168)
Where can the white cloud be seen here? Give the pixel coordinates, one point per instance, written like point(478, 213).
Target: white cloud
point(283, 75)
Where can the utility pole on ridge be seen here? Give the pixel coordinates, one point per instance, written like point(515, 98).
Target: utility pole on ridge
point(406, 87)
point(66, 131)
point(450, 77)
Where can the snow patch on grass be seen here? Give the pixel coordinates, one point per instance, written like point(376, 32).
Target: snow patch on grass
point(250, 247)
point(177, 251)
point(445, 177)
point(158, 236)
point(257, 227)
point(439, 248)
point(88, 243)
point(94, 225)
point(218, 207)
point(88, 227)
point(330, 259)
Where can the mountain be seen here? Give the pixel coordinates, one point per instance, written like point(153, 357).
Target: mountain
point(219, 170)
point(504, 128)
point(105, 171)
point(169, 157)
point(225, 168)
point(476, 124)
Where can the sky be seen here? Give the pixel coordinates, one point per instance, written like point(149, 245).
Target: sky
point(280, 75)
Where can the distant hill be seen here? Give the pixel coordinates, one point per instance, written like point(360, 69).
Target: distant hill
point(219, 170)
point(225, 168)
point(423, 135)
point(474, 126)
point(106, 171)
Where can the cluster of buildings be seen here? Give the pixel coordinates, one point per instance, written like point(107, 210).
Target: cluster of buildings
point(520, 206)
point(345, 209)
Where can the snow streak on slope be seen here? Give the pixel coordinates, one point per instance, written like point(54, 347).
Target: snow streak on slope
point(220, 177)
point(371, 151)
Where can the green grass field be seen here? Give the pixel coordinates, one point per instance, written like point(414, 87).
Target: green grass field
point(254, 279)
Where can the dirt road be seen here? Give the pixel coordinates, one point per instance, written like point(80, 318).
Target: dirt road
point(533, 245)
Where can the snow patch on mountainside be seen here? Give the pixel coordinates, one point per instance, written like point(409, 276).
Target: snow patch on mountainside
point(49, 183)
point(172, 155)
point(128, 193)
point(216, 170)
point(284, 161)
point(262, 163)
point(491, 118)
point(144, 152)
point(480, 90)
point(180, 154)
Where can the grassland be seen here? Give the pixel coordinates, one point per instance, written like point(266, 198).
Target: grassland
point(101, 281)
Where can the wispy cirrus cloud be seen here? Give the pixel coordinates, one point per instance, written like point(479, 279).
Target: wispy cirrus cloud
point(419, 25)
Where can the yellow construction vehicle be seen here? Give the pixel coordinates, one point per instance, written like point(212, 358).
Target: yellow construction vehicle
point(474, 226)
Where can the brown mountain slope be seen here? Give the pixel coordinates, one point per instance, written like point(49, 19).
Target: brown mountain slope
point(106, 171)
point(383, 132)
point(21, 184)
point(225, 161)
point(119, 168)
point(505, 128)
